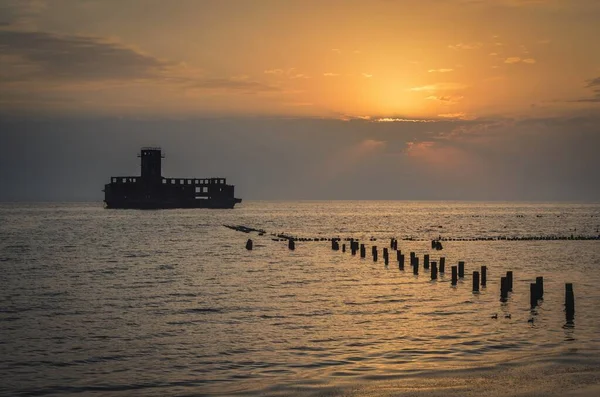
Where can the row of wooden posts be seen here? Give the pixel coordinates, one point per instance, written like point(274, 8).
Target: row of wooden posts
point(479, 277)
point(458, 271)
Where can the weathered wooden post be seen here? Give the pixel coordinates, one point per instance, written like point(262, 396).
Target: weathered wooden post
point(475, 281)
point(569, 302)
point(442, 264)
point(343, 247)
point(398, 253)
point(539, 282)
point(363, 251)
point(249, 245)
point(291, 244)
point(509, 281)
point(415, 265)
point(454, 275)
point(503, 289)
point(385, 253)
point(483, 276)
point(533, 295)
point(401, 262)
point(461, 269)
point(426, 261)
point(374, 252)
point(392, 243)
point(434, 271)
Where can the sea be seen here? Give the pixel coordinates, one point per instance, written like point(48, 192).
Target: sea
point(98, 302)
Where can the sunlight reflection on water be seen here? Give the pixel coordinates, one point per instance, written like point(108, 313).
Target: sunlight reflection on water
point(167, 302)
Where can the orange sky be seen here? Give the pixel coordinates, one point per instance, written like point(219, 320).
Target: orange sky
point(415, 59)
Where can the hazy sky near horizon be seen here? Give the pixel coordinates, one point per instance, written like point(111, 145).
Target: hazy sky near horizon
point(381, 99)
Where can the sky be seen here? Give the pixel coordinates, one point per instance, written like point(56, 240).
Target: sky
point(328, 99)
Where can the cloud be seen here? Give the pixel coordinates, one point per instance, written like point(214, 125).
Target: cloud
point(20, 14)
point(274, 71)
point(367, 75)
point(54, 69)
point(593, 84)
point(512, 60)
point(456, 115)
point(402, 120)
point(69, 57)
point(465, 46)
point(440, 70)
point(290, 73)
point(446, 98)
point(231, 84)
point(329, 74)
point(439, 87)
point(336, 50)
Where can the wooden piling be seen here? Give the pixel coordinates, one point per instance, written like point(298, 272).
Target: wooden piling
point(475, 281)
point(249, 245)
point(374, 253)
point(539, 282)
point(426, 261)
point(343, 247)
point(401, 262)
point(385, 253)
point(434, 271)
point(509, 281)
point(503, 289)
point(569, 302)
point(533, 295)
point(461, 269)
point(483, 276)
point(398, 254)
point(363, 251)
point(454, 275)
point(415, 265)
point(291, 244)
point(442, 264)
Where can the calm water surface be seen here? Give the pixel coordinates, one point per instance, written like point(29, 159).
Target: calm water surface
point(154, 303)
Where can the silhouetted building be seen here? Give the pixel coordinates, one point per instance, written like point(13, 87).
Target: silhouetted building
point(152, 191)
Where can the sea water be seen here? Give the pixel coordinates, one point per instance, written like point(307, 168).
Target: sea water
point(155, 303)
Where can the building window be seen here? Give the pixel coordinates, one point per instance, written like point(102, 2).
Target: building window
point(164, 181)
point(204, 189)
point(124, 180)
point(172, 181)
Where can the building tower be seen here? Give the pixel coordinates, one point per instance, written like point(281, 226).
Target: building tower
point(151, 164)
